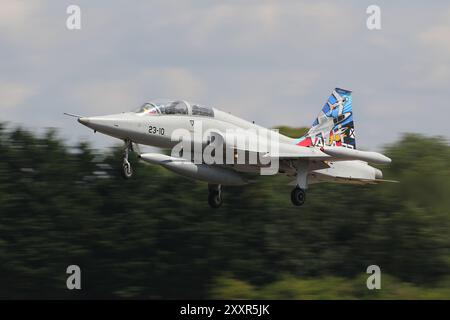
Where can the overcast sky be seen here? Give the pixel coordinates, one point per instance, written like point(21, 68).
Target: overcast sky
point(274, 62)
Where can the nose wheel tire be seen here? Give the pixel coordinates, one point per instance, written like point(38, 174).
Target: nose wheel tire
point(298, 196)
point(215, 200)
point(215, 196)
point(127, 171)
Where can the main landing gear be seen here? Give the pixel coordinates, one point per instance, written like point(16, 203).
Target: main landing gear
point(215, 195)
point(298, 196)
point(127, 171)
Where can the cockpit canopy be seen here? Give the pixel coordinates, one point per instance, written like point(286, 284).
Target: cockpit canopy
point(174, 107)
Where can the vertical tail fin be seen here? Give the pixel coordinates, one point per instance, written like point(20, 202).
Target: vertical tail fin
point(334, 124)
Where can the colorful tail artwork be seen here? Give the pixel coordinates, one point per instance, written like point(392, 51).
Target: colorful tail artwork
point(334, 124)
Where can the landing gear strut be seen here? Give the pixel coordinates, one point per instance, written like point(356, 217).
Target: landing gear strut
point(298, 196)
point(127, 171)
point(215, 195)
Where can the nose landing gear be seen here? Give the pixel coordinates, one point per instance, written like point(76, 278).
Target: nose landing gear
point(127, 171)
point(215, 195)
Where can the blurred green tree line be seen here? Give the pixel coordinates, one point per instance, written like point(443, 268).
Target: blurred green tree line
point(154, 236)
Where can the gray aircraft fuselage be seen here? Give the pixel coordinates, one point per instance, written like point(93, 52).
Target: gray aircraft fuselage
point(156, 124)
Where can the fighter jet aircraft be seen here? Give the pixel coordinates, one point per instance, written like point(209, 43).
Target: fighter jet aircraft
point(326, 153)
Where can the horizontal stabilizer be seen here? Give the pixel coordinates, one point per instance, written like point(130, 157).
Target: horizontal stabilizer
point(353, 154)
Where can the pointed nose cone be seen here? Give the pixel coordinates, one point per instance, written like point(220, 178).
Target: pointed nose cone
point(99, 123)
point(96, 123)
point(84, 120)
point(116, 125)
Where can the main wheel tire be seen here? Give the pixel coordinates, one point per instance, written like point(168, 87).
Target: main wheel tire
point(215, 200)
point(298, 196)
point(127, 171)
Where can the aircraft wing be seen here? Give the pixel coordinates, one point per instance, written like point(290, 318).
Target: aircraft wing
point(269, 149)
point(286, 151)
point(292, 152)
